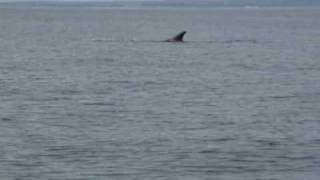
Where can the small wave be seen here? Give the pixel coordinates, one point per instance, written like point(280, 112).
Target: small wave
point(240, 41)
point(210, 151)
point(233, 41)
point(126, 41)
point(98, 104)
point(6, 119)
point(283, 96)
point(251, 7)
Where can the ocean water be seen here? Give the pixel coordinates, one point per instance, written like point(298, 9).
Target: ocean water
point(95, 94)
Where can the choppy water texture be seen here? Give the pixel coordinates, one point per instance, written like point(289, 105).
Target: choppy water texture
point(89, 93)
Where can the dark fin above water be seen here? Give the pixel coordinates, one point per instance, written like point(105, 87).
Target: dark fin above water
point(178, 37)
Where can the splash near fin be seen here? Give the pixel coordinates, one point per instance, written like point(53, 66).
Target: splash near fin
point(177, 38)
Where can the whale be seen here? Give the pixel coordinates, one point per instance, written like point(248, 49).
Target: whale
point(177, 38)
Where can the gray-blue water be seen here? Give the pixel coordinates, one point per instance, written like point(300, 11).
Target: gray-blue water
point(94, 94)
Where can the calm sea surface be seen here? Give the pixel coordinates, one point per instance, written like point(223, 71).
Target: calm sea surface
point(94, 94)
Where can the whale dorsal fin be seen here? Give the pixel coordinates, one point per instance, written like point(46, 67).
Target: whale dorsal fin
point(178, 37)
